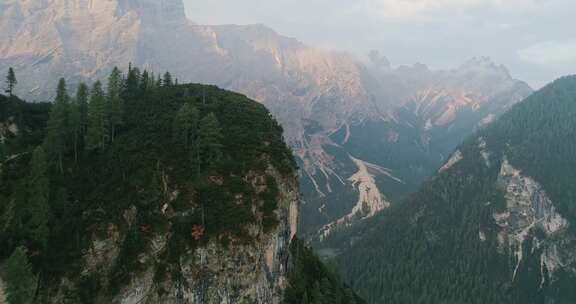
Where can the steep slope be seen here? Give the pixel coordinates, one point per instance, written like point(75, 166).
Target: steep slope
point(433, 112)
point(495, 225)
point(143, 220)
point(333, 108)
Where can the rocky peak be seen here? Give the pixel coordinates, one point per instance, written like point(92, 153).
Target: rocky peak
point(169, 12)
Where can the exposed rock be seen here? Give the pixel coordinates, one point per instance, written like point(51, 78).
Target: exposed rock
point(454, 159)
point(251, 272)
point(2, 293)
point(370, 199)
point(529, 209)
point(302, 86)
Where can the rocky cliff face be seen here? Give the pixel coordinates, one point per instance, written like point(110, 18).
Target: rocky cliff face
point(424, 115)
point(334, 109)
point(219, 236)
point(255, 272)
point(494, 225)
point(529, 209)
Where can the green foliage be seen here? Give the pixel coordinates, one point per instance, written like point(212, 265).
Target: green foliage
point(146, 171)
point(75, 116)
point(57, 129)
point(20, 281)
point(98, 126)
point(210, 137)
point(81, 100)
point(538, 136)
point(167, 80)
point(10, 81)
point(428, 249)
point(36, 218)
point(186, 126)
point(114, 102)
point(312, 282)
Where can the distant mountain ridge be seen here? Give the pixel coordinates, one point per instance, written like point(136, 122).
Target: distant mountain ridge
point(494, 225)
point(400, 124)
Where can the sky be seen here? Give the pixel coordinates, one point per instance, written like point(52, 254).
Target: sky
point(534, 39)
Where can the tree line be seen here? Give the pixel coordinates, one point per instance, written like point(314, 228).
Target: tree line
point(89, 122)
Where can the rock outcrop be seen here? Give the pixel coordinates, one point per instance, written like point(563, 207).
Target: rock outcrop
point(315, 94)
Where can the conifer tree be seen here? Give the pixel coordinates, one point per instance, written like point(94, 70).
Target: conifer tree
point(38, 195)
point(144, 81)
point(210, 136)
point(115, 103)
point(186, 125)
point(158, 81)
point(167, 80)
point(11, 82)
point(82, 95)
point(97, 133)
point(57, 126)
point(19, 278)
point(152, 81)
point(75, 126)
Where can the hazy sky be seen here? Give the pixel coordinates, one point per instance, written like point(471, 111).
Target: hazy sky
point(535, 39)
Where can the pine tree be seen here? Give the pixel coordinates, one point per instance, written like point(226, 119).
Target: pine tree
point(82, 95)
point(186, 125)
point(38, 194)
point(57, 126)
point(132, 83)
point(158, 81)
point(20, 280)
point(115, 103)
point(167, 80)
point(11, 81)
point(75, 126)
point(145, 82)
point(97, 133)
point(210, 136)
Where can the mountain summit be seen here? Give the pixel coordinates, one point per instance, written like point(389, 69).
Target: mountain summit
point(339, 115)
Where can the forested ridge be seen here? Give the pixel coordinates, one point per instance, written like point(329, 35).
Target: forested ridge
point(441, 245)
point(75, 168)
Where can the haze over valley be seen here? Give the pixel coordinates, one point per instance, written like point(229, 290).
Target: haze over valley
point(201, 163)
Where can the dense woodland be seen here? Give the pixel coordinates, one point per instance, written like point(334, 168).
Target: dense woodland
point(70, 168)
point(428, 250)
point(313, 282)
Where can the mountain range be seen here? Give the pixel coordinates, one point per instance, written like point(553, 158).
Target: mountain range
point(365, 134)
point(494, 225)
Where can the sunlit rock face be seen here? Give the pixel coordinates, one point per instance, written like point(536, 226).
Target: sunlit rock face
point(333, 107)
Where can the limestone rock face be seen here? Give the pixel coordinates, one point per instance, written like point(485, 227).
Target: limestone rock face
point(529, 209)
point(384, 113)
point(252, 272)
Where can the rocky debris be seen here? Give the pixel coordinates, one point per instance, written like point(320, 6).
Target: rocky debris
point(370, 199)
point(238, 272)
point(454, 159)
point(300, 85)
point(528, 209)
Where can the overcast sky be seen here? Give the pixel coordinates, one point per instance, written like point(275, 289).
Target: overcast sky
point(535, 39)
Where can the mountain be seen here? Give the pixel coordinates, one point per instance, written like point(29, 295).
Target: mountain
point(337, 112)
point(425, 114)
point(494, 225)
point(161, 210)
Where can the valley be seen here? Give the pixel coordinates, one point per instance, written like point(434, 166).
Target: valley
point(148, 158)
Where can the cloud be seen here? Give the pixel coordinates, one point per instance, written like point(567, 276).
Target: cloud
point(419, 8)
point(550, 53)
